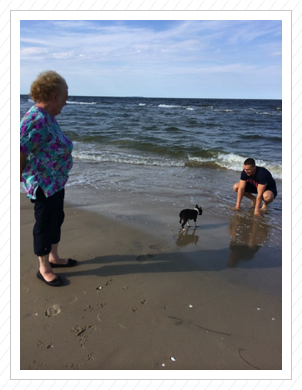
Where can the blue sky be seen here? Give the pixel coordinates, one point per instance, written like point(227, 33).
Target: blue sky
point(157, 58)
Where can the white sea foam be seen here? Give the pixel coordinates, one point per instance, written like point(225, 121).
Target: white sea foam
point(80, 103)
point(229, 161)
point(125, 158)
point(234, 162)
point(175, 106)
point(168, 106)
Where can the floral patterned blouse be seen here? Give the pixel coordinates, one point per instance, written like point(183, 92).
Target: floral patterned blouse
point(48, 153)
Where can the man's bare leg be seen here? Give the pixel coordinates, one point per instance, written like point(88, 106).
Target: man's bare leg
point(268, 197)
point(251, 197)
point(246, 194)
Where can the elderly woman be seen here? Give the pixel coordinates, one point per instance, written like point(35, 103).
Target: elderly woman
point(45, 161)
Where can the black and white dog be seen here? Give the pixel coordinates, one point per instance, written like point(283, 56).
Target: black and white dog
point(187, 214)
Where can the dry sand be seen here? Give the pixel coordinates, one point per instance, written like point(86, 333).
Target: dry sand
point(139, 298)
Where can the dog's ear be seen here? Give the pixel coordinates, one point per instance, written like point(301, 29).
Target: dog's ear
point(196, 206)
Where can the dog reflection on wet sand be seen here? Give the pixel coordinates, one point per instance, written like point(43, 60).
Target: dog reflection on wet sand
point(185, 239)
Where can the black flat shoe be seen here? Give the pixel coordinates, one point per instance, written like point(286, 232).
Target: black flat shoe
point(56, 282)
point(70, 263)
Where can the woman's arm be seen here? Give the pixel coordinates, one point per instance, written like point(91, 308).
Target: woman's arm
point(22, 164)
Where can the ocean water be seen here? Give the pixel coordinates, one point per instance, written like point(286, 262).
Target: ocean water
point(136, 155)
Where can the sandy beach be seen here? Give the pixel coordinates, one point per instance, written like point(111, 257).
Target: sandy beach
point(153, 298)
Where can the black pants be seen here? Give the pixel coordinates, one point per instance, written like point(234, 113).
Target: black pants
point(49, 215)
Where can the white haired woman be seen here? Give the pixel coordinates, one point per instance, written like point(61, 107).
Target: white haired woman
point(45, 160)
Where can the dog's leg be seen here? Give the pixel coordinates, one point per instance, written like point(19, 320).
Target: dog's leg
point(181, 221)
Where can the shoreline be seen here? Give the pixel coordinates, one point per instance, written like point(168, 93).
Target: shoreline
point(206, 297)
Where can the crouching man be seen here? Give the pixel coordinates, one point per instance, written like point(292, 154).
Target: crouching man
point(255, 180)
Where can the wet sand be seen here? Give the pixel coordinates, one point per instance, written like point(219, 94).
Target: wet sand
point(148, 299)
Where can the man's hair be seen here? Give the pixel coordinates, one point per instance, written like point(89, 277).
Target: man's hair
point(249, 161)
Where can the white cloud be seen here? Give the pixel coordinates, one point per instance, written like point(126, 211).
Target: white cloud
point(154, 51)
point(63, 55)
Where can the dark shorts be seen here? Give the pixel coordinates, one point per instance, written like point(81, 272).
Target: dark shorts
point(253, 190)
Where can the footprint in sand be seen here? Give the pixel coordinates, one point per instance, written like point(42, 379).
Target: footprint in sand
point(72, 300)
point(157, 247)
point(53, 311)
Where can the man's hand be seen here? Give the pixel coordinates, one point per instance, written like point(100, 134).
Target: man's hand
point(236, 208)
point(257, 213)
